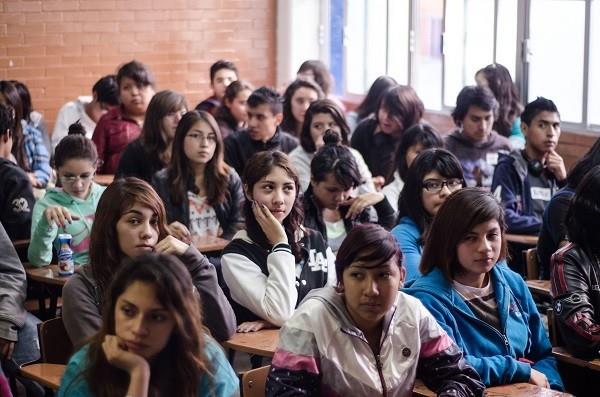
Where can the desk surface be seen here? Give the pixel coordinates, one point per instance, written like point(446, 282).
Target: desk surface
point(104, 179)
point(561, 354)
point(522, 238)
point(513, 390)
point(209, 243)
point(48, 375)
point(262, 343)
point(46, 274)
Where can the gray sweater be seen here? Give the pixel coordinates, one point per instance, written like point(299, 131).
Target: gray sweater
point(82, 305)
point(13, 287)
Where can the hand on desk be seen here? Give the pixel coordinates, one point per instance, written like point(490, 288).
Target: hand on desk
point(539, 379)
point(253, 326)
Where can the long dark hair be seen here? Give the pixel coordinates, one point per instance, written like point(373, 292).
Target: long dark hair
point(422, 134)
point(289, 123)
point(320, 72)
point(403, 104)
point(336, 159)
point(410, 202)
point(161, 104)
point(258, 166)
point(583, 165)
point(216, 172)
point(12, 98)
point(369, 104)
point(119, 196)
point(319, 106)
point(177, 368)
point(223, 112)
point(458, 215)
point(583, 217)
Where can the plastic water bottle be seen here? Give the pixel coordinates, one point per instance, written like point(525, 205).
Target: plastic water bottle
point(66, 266)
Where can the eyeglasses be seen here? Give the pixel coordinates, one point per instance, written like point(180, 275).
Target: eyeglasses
point(69, 179)
point(436, 185)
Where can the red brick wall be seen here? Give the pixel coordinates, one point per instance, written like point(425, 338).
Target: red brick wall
point(59, 48)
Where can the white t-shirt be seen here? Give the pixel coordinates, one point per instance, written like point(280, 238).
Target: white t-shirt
point(70, 113)
point(203, 218)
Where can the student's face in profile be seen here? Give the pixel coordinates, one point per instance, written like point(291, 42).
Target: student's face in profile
point(143, 325)
point(221, 79)
point(412, 153)
point(388, 123)
point(320, 123)
point(170, 121)
point(277, 191)
point(301, 100)
point(543, 132)
point(432, 199)
point(137, 230)
point(262, 123)
point(237, 106)
point(330, 193)
point(478, 253)
point(200, 143)
point(477, 124)
point(76, 176)
point(370, 292)
point(135, 98)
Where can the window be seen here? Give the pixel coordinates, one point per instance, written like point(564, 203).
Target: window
point(594, 68)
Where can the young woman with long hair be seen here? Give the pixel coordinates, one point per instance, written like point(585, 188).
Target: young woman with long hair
point(151, 342)
point(297, 98)
point(231, 115)
point(369, 104)
point(202, 194)
point(130, 221)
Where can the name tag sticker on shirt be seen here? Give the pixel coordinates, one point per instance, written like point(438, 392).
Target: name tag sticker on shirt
point(541, 193)
point(491, 158)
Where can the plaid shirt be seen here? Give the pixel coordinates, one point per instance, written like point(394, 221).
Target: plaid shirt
point(37, 154)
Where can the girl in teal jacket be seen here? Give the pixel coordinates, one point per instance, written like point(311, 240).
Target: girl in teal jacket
point(482, 304)
point(69, 209)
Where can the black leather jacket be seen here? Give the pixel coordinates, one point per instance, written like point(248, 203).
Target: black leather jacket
point(576, 290)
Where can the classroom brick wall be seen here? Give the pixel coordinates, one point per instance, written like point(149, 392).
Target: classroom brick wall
point(59, 48)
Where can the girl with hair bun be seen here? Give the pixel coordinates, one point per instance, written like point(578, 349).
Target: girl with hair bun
point(330, 204)
point(70, 208)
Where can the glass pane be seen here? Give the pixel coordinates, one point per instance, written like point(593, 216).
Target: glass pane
point(594, 82)
point(506, 38)
point(556, 67)
point(398, 18)
point(376, 30)
point(306, 35)
point(427, 77)
point(469, 43)
point(355, 46)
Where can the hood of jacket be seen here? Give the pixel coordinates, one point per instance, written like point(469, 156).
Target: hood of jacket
point(459, 138)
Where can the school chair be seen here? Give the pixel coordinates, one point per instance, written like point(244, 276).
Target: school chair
point(532, 271)
point(255, 381)
point(55, 344)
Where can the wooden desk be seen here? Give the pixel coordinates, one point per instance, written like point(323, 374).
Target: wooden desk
point(540, 288)
point(561, 354)
point(512, 390)
point(522, 239)
point(209, 243)
point(104, 179)
point(48, 375)
point(47, 274)
point(50, 283)
point(261, 343)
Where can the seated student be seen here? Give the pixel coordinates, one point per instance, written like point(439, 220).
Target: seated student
point(232, 115)
point(553, 232)
point(297, 98)
point(330, 204)
point(431, 178)
point(122, 124)
point(525, 180)
point(222, 73)
point(414, 140)
point(377, 138)
point(323, 115)
point(202, 195)
point(87, 109)
point(151, 341)
point(151, 152)
point(318, 72)
point(369, 104)
point(475, 143)
point(130, 220)
point(365, 338)
point(507, 123)
point(263, 132)
point(16, 195)
point(69, 209)
point(575, 272)
point(275, 262)
point(28, 143)
point(32, 117)
point(483, 305)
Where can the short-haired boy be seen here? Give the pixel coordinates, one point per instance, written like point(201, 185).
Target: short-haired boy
point(475, 143)
point(525, 180)
point(265, 112)
point(222, 73)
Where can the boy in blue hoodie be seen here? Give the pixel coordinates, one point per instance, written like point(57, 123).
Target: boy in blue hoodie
point(525, 180)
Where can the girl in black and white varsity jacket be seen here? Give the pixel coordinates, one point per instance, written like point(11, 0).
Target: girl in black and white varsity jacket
point(275, 262)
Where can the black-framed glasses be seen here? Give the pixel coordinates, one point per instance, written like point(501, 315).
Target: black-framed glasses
point(436, 185)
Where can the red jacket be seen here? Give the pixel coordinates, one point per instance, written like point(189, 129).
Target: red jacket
point(113, 132)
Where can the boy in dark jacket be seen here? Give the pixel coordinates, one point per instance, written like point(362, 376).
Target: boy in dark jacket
point(222, 73)
point(525, 180)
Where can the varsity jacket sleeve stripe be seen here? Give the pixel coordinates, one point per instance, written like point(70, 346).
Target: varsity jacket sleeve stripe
point(272, 298)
